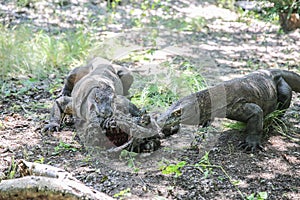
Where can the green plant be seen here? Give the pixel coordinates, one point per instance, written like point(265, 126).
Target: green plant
point(24, 51)
point(62, 146)
point(55, 86)
point(204, 165)
point(40, 160)
point(258, 196)
point(2, 126)
point(129, 156)
point(281, 6)
point(273, 121)
point(112, 4)
point(235, 125)
point(154, 95)
point(142, 55)
point(123, 193)
point(197, 24)
point(148, 18)
point(193, 81)
point(12, 169)
point(173, 168)
point(189, 78)
point(25, 3)
point(179, 77)
point(268, 14)
point(287, 12)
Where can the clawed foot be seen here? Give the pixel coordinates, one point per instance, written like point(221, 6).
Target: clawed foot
point(249, 147)
point(171, 130)
point(109, 123)
point(251, 143)
point(52, 127)
point(150, 146)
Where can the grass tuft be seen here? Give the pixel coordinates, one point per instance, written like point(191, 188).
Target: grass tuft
point(26, 52)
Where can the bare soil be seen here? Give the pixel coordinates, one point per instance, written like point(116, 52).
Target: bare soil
point(225, 49)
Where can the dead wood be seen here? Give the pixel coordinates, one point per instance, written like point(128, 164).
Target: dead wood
point(46, 182)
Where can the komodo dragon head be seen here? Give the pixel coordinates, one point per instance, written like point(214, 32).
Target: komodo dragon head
point(170, 122)
point(100, 105)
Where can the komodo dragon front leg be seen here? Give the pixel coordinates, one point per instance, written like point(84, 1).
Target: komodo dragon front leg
point(62, 106)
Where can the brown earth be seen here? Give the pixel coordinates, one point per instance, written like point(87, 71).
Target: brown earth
point(227, 47)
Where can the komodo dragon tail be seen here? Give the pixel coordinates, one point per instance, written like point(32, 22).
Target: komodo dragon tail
point(292, 78)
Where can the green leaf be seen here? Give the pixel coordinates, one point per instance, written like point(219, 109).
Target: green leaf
point(130, 163)
point(251, 196)
point(262, 195)
point(181, 164)
point(235, 182)
point(123, 193)
point(124, 154)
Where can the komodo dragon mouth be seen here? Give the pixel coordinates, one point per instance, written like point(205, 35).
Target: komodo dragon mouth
point(115, 134)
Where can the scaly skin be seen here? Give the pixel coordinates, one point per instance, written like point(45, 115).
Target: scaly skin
point(93, 94)
point(247, 99)
point(89, 92)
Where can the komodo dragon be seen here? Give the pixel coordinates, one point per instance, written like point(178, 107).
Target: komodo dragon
point(95, 95)
point(247, 99)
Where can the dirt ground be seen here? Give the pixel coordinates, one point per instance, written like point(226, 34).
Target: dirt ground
point(225, 49)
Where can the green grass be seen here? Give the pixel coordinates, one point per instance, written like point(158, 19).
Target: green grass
point(268, 14)
point(239, 126)
point(153, 96)
point(272, 122)
point(62, 146)
point(178, 77)
point(24, 51)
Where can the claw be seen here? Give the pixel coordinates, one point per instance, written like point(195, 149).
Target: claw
point(246, 147)
point(52, 127)
point(110, 123)
point(151, 146)
point(147, 146)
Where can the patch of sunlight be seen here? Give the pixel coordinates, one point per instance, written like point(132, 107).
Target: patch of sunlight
point(209, 12)
point(278, 143)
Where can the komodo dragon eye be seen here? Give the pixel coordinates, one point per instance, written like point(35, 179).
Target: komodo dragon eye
point(176, 113)
point(174, 117)
point(97, 99)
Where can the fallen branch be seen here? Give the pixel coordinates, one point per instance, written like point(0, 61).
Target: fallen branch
point(46, 182)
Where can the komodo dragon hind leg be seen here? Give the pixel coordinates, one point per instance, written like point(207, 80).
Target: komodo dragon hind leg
point(251, 114)
point(74, 76)
point(284, 94)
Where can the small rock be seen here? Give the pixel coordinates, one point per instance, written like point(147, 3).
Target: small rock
point(52, 76)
